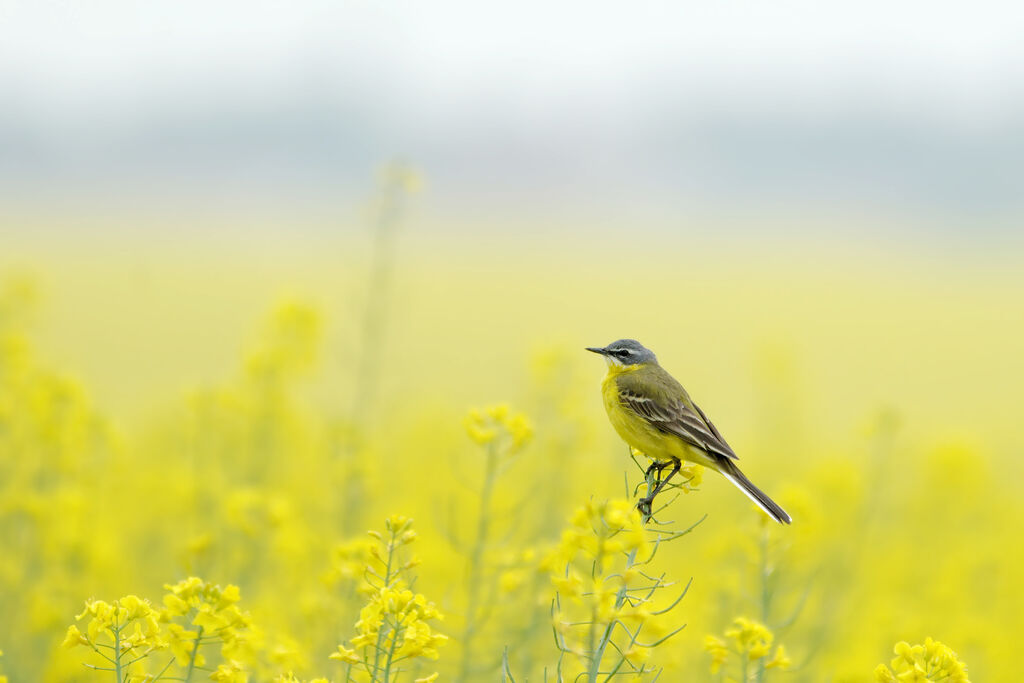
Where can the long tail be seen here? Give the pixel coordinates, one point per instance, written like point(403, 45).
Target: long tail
point(733, 474)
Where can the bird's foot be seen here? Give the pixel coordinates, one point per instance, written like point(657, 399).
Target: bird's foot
point(644, 506)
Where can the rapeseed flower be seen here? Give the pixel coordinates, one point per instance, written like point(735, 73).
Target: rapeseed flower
point(604, 598)
point(748, 643)
point(927, 663)
point(498, 424)
point(394, 624)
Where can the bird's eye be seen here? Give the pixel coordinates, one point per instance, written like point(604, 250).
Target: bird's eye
point(624, 352)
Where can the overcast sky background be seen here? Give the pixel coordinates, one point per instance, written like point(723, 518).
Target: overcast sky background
point(868, 104)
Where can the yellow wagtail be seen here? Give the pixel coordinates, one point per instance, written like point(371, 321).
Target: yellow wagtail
point(653, 414)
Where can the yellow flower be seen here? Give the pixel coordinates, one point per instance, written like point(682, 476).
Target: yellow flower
point(498, 424)
point(511, 580)
point(346, 655)
point(396, 524)
point(291, 678)
point(214, 608)
point(884, 675)
point(780, 660)
point(395, 619)
point(181, 643)
point(175, 606)
point(931, 661)
point(749, 640)
point(73, 637)
point(752, 638)
point(129, 611)
point(719, 652)
point(427, 679)
point(231, 672)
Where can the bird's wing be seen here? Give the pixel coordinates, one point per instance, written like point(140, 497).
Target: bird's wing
point(667, 407)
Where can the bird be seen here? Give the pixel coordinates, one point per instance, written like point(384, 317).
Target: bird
point(653, 414)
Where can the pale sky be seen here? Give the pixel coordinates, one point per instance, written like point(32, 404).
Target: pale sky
point(65, 50)
point(558, 88)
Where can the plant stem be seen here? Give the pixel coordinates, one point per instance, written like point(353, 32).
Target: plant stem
point(473, 569)
point(620, 598)
point(378, 290)
point(117, 651)
point(397, 630)
point(765, 593)
point(192, 657)
point(387, 582)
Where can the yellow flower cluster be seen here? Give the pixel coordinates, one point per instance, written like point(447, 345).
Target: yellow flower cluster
point(126, 631)
point(128, 625)
point(290, 678)
point(603, 528)
point(255, 480)
point(289, 345)
point(123, 633)
point(397, 618)
point(749, 641)
point(604, 598)
point(498, 424)
point(393, 626)
point(214, 613)
point(349, 560)
point(230, 672)
point(932, 661)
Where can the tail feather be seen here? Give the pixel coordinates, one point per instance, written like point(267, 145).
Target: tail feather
point(733, 474)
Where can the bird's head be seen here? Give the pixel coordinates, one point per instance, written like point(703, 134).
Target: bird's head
point(625, 352)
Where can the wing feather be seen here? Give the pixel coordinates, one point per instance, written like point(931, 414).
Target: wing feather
point(678, 416)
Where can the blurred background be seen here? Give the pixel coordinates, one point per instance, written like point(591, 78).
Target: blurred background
point(810, 211)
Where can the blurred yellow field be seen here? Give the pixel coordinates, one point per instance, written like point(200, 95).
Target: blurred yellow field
point(207, 408)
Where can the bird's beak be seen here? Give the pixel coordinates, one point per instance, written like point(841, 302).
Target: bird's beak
point(601, 350)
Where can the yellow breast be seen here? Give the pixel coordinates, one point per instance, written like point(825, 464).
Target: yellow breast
point(635, 430)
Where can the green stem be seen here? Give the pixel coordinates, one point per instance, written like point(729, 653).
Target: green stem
point(397, 630)
point(595, 658)
point(192, 657)
point(620, 598)
point(765, 594)
point(473, 569)
point(380, 633)
point(117, 651)
point(378, 292)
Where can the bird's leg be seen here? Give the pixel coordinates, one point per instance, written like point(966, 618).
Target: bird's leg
point(655, 465)
point(644, 504)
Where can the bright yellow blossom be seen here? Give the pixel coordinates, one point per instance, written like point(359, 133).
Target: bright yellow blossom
point(346, 655)
point(291, 678)
point(393, 625)
point(748, 641)
point(74, 637)
point(604, 597)
point(498, 424)
point(718, 650)
point(230, 672)
point(925, 663)
point(127, 624)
